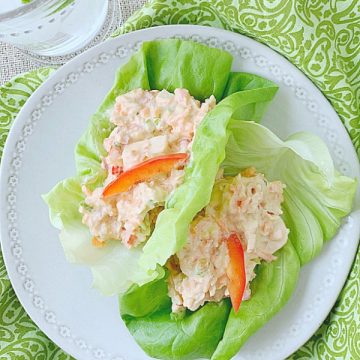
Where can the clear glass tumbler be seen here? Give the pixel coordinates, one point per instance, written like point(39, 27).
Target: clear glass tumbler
point(52, 31)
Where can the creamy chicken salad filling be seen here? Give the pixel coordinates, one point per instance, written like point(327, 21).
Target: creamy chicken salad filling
point(149, 124)
point(247, 205)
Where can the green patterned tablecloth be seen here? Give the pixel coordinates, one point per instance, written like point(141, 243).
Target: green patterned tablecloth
point(322, 38)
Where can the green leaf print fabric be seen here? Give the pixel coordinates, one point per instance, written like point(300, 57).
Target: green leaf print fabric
point(320, 37)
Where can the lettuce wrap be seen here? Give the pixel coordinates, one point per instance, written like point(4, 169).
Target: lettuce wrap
point(163, 64)
point(316, 198)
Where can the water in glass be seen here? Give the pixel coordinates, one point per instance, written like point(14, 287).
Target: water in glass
point(51, 27)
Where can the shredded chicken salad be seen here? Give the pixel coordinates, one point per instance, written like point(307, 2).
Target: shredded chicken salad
point(247, 205)
point(148, 124)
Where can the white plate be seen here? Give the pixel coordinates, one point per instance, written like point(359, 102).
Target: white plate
point(39, 152)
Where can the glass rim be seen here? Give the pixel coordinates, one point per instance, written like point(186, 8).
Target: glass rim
point(22, 10)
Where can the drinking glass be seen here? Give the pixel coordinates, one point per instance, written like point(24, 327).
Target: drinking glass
point(53, 31)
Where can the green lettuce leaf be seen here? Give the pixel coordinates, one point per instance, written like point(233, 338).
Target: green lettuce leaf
point(170, 64)
point(63, 202)
point(163, 64)
point(192, 335)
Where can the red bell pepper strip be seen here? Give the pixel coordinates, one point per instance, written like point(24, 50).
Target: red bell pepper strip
point(236, 271)
point(143, 172)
